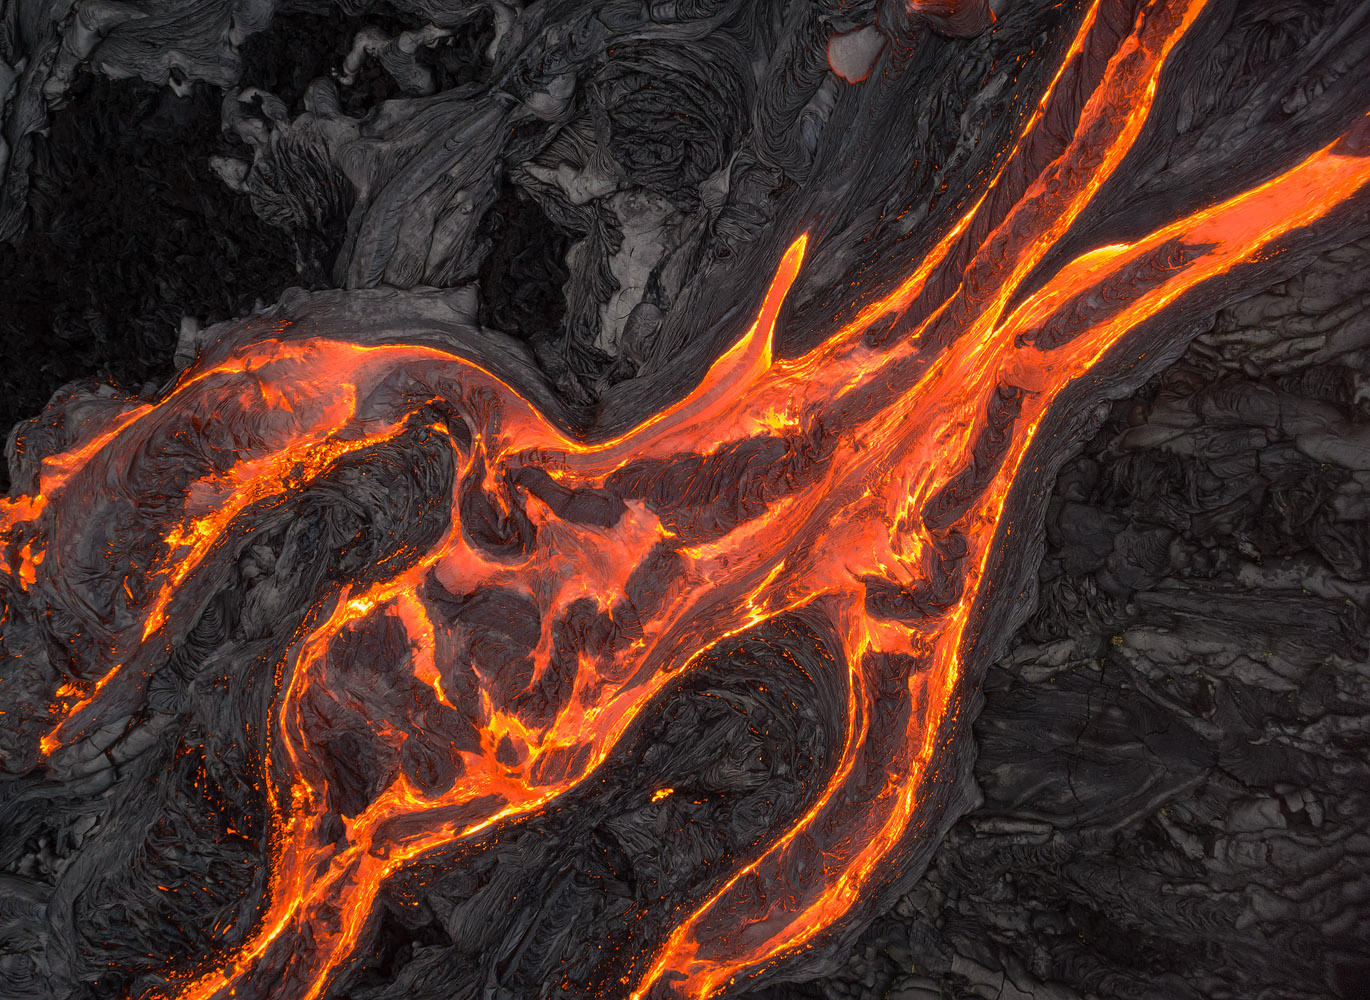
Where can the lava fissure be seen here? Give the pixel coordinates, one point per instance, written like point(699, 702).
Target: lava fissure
point(561, 587)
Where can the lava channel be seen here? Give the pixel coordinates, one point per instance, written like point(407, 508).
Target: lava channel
point(864, 484)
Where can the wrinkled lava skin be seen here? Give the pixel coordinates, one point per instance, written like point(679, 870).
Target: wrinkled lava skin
point(555, 585)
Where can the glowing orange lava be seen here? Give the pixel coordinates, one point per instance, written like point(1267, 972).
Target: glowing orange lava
point(867, 480)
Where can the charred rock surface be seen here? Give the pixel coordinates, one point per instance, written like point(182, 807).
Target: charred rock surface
point(587, 200)
point(1173, 751)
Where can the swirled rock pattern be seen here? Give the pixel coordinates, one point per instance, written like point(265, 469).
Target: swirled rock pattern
point(1173, 752)
point(557, 217)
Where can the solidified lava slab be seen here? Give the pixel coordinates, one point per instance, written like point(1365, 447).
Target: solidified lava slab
point(373, 619)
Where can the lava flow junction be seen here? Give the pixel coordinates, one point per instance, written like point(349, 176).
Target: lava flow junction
point(862, 484)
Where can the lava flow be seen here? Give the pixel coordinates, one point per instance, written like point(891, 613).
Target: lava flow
point(864, 483)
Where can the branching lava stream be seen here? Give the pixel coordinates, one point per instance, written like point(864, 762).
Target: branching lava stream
point(866, 480)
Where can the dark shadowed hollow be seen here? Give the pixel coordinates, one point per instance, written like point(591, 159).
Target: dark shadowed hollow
point(680, 498)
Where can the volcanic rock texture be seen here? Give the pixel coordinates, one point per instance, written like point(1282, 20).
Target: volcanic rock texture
point(1173, 750)
point(1166, 789)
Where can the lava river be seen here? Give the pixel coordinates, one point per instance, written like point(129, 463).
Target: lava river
point(864, 484)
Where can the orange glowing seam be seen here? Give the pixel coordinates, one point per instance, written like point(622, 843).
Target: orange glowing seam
point(863, 515)
point(29, 561)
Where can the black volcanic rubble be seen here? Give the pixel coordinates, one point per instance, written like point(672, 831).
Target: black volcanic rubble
point(1173, 758)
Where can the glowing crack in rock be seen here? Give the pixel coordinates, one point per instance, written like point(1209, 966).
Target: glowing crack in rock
point(864, 482)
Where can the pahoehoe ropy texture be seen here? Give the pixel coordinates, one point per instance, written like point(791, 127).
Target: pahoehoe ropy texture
point(586, 580)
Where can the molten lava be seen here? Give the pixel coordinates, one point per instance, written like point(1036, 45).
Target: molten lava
point(866, 481)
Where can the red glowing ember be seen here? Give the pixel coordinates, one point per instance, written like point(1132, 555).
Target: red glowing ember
point(865, 481)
